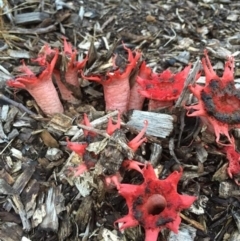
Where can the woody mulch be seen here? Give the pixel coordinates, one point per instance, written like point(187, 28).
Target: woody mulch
point(39, 198)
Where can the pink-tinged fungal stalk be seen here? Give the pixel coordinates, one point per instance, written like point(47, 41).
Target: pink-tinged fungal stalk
point(218, 101)
point(136, 100)
point(116, 84)
point(155, 204)
point(40, 86)
point(233, 157)
point(71, 74)
point(163, 88)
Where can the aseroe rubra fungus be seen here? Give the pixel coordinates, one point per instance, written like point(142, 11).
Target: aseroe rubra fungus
point(234, 163)
point(72, 67)
point(218, 101)
point(136, 100)
point(111, 128)
point(116, 85)
point(155, 204)
point(40, 86)
point(163, 88)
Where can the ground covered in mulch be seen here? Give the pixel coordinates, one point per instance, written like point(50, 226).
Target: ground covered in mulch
point(40, 198)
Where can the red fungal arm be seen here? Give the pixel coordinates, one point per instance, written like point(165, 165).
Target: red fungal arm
point(73, 66)
point(132, 165)
point(79, 148)
point(40, 87)
point(79, 170)
point(138, 140)
point(157, 208)
point(112, 127)
point(208, 69)
point(136, 100)
point(113, 180)
point(116, 84)
point(86, 122)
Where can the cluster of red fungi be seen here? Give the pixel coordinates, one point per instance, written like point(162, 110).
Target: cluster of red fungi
point(155, 204)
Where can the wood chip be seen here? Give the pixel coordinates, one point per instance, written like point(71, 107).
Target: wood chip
point(27, 18)
point(159, 125)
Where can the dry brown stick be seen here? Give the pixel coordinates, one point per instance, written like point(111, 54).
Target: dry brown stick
point(33, 31)
point(193, 222)
point(16, 104)
point(190, 79)
point(95, 123)
point(109, 20)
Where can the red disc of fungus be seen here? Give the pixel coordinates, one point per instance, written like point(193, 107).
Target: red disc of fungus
point(219, 100)
point(155, 204)
point(164, 87)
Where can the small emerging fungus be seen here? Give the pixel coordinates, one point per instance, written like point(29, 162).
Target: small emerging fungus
point(80, 149)
point(163, 88)
point(70, 76)
point(155, 204)
point(113, 177)
point(136, 100)
point(234, 163)
point(116, 85)
point(40, 86)
point(219, 100)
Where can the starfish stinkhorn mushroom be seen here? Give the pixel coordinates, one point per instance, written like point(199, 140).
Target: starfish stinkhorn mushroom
point(71, 74)
point(40, 86)
point(116, 85)
point(155, 204)
point(233, 169)
point(163, 88)
point(219, 100)
point(136, 100)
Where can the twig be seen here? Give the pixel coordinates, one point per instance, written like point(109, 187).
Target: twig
point(182, 125)
point(16, 104)
point(95, 123)
point(9, 143)
point(171, 39)
point(109, 20)
point(179, 17)
point(171, 149)
point(190, 79)
point(193, 222)
point(33, 31)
